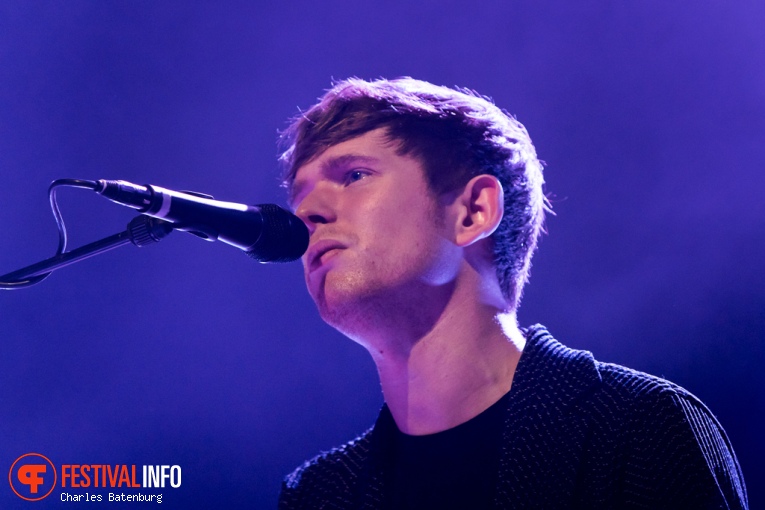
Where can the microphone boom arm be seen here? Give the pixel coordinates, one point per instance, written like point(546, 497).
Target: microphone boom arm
point(141, 231)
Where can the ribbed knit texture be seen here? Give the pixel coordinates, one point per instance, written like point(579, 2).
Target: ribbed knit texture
point(577, 434)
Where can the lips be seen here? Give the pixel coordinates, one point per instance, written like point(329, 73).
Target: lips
point(318, 249)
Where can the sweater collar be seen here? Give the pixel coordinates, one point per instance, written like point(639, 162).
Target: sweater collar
point(545, 363)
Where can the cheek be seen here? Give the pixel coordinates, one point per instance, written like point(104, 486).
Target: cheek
point(411, 248)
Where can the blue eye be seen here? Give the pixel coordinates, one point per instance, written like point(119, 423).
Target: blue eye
point(353, 176)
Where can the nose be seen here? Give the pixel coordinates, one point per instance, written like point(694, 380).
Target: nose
point(317, 207)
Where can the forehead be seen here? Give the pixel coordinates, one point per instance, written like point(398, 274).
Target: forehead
point(372, 148)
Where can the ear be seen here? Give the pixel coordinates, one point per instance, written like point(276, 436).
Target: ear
point(479, 209)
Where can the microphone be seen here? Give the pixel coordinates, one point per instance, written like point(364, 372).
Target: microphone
point(266, 232)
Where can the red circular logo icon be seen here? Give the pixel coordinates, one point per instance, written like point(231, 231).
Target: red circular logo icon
point(32, 477)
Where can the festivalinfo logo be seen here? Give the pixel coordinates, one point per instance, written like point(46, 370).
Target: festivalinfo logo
point(33, 477)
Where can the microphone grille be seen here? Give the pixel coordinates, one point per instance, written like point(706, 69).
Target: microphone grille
point(284, 237)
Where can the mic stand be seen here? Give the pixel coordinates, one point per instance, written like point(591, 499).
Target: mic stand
point(141, 230)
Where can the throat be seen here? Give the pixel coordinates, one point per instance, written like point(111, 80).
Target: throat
point(445, 380)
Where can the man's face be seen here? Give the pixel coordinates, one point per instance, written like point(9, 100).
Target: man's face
point(378, 236)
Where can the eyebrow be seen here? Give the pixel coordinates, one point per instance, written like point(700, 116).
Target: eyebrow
point(328, 167)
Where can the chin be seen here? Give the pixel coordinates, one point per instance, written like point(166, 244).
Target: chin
point(343, 316)
point(344, 301)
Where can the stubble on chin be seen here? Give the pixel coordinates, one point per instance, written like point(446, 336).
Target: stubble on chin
point(343, 301)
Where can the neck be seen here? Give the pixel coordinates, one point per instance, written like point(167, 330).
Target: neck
point(437, 377)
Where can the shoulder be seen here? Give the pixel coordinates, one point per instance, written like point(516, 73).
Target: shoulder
point(330, 475)
point(643, 399)
point(632, 390)
point(652, 412)
point(627, 393)
point(671, 439)
point(666, 443)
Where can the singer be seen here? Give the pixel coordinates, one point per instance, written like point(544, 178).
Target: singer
point(424, 206)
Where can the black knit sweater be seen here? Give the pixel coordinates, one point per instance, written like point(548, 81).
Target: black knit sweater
point(578, 433)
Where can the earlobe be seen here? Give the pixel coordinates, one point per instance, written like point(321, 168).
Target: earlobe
point(480, 209)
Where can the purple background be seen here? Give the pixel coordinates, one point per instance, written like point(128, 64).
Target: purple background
point(650, 115)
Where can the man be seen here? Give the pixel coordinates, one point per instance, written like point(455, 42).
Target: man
point(424, 206)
